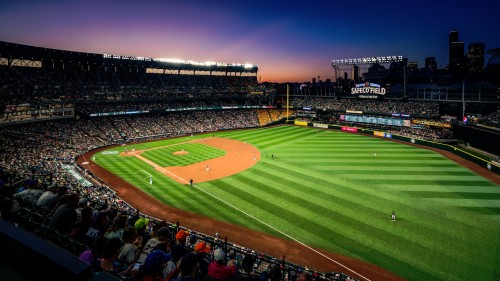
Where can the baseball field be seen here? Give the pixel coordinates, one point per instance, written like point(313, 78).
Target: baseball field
point(328, 192)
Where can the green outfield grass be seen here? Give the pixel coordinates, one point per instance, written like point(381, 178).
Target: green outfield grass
point(328, 190)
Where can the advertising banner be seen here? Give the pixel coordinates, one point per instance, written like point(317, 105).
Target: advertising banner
point(431, 123)
point(301, 123)
point(319, 125)
point(375, 120)
point(118, 113)
point(382, 134)
point(350, 129)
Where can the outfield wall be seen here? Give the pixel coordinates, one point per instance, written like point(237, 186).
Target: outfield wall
point(464, 154)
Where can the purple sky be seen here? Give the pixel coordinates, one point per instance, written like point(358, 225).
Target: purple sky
point(289, 40)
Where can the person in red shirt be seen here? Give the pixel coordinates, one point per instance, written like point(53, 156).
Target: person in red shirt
point(219, 270)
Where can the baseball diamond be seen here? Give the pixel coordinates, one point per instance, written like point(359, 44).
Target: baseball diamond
point(324, 190)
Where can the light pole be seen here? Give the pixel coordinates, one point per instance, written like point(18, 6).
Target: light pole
point(463, 99)
point(404, 81)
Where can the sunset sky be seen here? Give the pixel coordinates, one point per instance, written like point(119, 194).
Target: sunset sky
point(290, 41)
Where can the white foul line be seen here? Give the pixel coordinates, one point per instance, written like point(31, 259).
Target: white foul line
point(147, 173)
point(264, 223)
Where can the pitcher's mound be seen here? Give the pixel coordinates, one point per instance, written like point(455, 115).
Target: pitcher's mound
point(180, 153)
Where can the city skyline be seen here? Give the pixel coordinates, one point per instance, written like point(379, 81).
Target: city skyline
point(290, 43)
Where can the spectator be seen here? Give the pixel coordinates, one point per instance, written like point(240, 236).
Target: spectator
point(52, 202)
point(48, 196)
point(82, 203)
point(274, 272)
point(129, 252)
point(179, 248)
point(188, 266)
point(303, 276)
point(141, 227)
point(154, 264)
point(165, 240)
point(93, 256)
point(32, 194)
point(162, 237)
point(201, 250)
point(97, 228)
point(218, 269)
point(65, 215)
point(245, 273)
point(117, 228)
point(110, 252)
point(82, 225)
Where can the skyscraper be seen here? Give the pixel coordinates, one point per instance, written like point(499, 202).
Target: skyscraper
point(412, 65)
point(452, 37)
point(475, 58)
point(430, 63)
point(355, 69)
point(456, 64)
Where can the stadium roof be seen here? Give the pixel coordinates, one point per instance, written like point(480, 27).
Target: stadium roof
point(19, 51)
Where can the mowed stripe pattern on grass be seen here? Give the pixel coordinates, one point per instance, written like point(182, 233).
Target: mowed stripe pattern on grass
point(195, 152)
point(327, 189)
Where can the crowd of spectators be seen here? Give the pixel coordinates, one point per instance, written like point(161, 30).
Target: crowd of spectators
point(492, 119)
point(267, 116)
point(152, 91)
point(383, 107)
point(45, 146)
point(92, 220)
point(425, 133)
point(408, 110)
point(169, 104)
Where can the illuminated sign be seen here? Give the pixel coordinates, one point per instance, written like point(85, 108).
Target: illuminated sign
point(376, 120)
point(368, 88)
point(400, 115)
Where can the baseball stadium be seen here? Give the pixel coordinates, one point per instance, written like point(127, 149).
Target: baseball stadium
point(309, 181)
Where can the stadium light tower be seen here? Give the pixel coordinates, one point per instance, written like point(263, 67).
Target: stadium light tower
point(370, 60)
